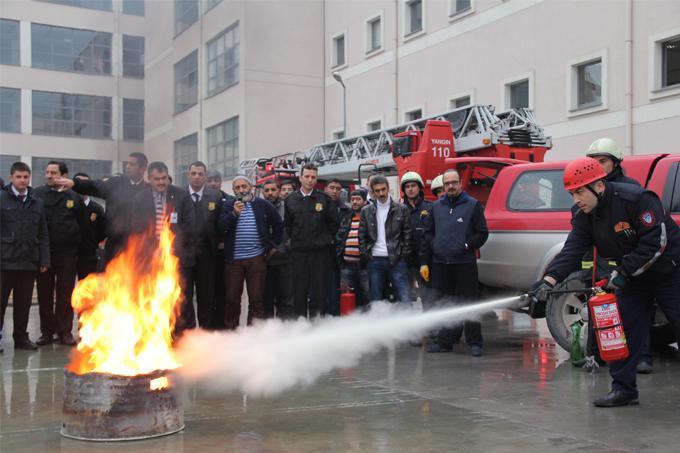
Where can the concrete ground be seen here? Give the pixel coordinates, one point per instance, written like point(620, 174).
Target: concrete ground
point(522, 395)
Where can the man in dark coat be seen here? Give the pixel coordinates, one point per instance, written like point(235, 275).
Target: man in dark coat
point(161, 203)
point(88, 254)
point(25, 249)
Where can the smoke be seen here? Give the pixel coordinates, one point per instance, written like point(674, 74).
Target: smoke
point(271, 356)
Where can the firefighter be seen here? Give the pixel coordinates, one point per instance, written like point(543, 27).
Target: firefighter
point(311, 220)
point(437, 186)
point(627, 224)
point(67, 223)
point(88, 256)
point(419, 209)
point(609, 155)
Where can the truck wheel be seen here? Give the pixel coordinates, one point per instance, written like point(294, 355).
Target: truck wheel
point(565, 309)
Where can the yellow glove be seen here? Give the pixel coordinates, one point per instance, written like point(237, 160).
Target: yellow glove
point(425, 272)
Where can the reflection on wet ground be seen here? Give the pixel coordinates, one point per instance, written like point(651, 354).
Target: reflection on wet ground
point(522, 395)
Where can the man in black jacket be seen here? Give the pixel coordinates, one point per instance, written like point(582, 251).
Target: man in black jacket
point(160, 203)
point(67, 221)
point(348, 252)
point(311, 220)
point(385, 241)
point(88, 254)
point(25, 249)
point(118, 191)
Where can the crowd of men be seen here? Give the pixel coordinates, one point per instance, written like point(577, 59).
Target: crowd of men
point(294, 248)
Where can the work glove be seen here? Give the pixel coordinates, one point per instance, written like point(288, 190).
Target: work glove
point(615, 281)
point(541, 290)
point(425, 272)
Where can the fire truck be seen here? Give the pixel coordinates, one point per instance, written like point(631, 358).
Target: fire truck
point(474, 139)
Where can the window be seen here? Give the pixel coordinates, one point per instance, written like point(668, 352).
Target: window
point(413, 115)
point(186, 152)
point(518, 94)
point(134, 7)
point(223, 59)
point(541, 190)
point(186, 13)
point(133, 119)
point(104, 5)
point(338, 50)
point(10, 110)
point(74, 115)
point(210, 4)
point(589, 84)
point(133, 56)
point(338, 135)
point(6, 161)
point(95, 169)
point(458, 6)
point(70, 49)
point(223, 153)
point(374, 125)
point(186, 82)
point(414, 16)
point(670, 63)
point(9, 42)
point(374, 34)
point(459, 102)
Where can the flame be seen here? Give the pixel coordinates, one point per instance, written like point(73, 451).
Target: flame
point(127, 314)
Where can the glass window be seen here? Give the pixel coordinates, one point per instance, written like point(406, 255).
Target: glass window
point(589, 84)
point(374, 32)
point(671, 62)
point(460, 102)
point(519, 94)
point(339, 50)
point(186, 152)
point(133, 56)
point(540, 190)
point(186, 82)
point(6, 161)
point(338, 135)
point(95, 169)
point(414, 115)
point(74, 115)
point(104, 5)
point(134, 7)
point(210, 4)
point(10, 109)
point(186, 13)
point(414, 16)
point(71, 49)
point(223, 153)
point(374, 126)
point(223, 59)
point(458, 6)
point(133, 119)
point(9, 41)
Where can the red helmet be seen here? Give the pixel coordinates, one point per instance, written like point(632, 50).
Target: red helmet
point(582, 171)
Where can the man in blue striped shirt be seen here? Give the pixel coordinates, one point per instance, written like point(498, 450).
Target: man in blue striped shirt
point(252, 228)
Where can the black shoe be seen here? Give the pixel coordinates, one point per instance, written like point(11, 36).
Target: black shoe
point(25, 343)
point(67, 339)
point(45, 339)
point(616, 398)
point(644, 367)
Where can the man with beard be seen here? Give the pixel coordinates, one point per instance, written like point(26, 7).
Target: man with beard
point(353, 272)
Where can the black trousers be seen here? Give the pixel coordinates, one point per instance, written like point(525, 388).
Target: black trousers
point(220, 295)
point(202, 278)
point(20, 284)
point(86, 265)
point(55, 287)
point(333, 285)
point(187, 314)
point(459, 282)
point(278, 291)
point(311, 278)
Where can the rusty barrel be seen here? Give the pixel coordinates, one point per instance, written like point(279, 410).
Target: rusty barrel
point(106, 407)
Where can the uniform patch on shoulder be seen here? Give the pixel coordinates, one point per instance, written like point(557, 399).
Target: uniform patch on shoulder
point(647, 218)
point(621, 226)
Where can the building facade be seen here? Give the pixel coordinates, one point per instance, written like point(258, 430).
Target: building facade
point(72, 84)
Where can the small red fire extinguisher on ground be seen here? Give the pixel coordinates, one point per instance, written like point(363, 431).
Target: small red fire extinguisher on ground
point(611, 339)
point(348, 302)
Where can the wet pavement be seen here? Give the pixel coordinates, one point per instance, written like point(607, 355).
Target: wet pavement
point(522, 395)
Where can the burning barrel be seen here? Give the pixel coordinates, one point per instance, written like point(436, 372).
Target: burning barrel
point(106, 407)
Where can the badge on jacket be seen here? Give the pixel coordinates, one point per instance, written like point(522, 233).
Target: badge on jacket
point(424, 212)
point(621, 226)
point(319, 207)
point(69, 204)
point(211, 206)
point(173, 217)
point(647, 218)
point(93, 217)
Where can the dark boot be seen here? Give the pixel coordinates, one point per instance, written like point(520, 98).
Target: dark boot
point(45, 339)
point(644, 367)
point(67, 339)
point(616, 398)
point(24, 342)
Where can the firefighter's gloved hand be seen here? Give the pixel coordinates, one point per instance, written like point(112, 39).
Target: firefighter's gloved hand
point(541, 290)
point(615, 281)
point(425, 272)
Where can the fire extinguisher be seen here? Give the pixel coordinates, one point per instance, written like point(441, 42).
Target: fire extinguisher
point(348, 301)
point(611, 339)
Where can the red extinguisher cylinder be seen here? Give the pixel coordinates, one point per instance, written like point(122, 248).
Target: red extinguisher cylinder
point(348, 302)
point(611, 339)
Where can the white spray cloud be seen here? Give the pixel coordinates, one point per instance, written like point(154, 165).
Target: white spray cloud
point(271, 356)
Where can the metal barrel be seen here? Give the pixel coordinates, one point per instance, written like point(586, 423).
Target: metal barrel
point(106, 407)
